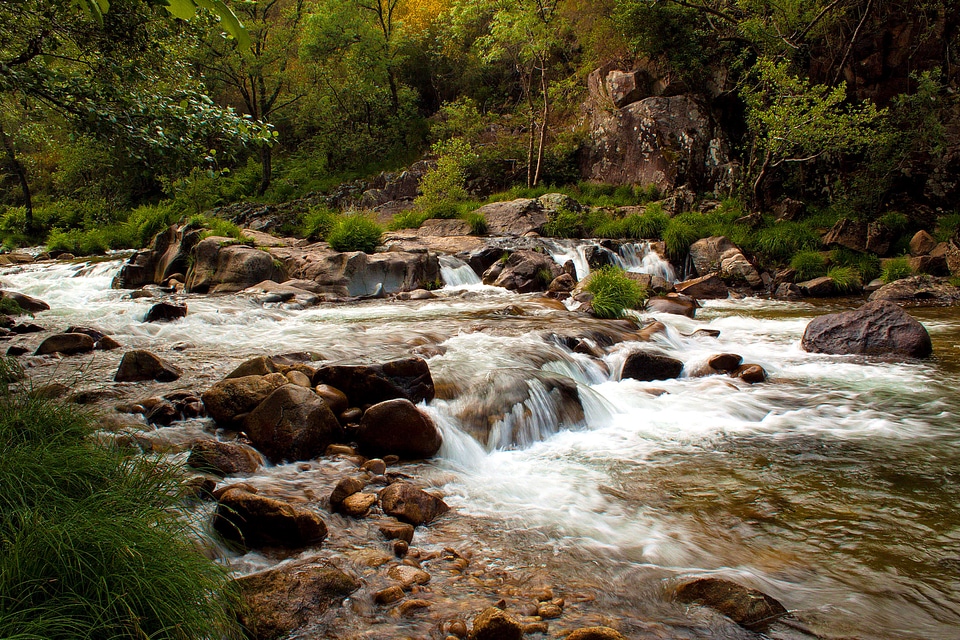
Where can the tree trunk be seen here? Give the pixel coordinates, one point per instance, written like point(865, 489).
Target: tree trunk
point(759, 181)
point(394, 94)
point(266, 168)
point(21, 174)
point(532, 125)
point(543, 124)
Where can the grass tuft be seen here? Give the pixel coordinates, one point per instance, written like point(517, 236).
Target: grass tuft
point(896, 269)
point(614, 292)
point(355, 232)
point(809, 265)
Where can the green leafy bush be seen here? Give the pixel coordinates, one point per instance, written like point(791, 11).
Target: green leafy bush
point(146, 221)
point(895, 221)
point(318, 222)
point(809, 265)
point(614, 292)
point(896, 269)
point(95, 543)
point(565, 224)
point(845, 279)
point(355, 232)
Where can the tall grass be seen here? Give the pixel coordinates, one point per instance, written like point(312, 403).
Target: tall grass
point(92, 542)
point(614, 292)
point(355, 232)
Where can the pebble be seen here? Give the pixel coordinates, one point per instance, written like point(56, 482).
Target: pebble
point(376, 466)
point(391, 459)
point(358, 505)
point(408, 576)
point(412, 606)
point(400, 548)
point(457, 628)
point(548, 611)
point(388, 595)
point(535, 627)
point(340, 450)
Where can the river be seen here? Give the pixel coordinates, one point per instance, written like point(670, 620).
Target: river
point(832, 487)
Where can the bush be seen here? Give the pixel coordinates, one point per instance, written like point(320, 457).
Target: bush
point(318, 222)
point(896, 269)
point(845, 279)
point(95, 544)
point(947, 226)
point(355, 232)
point(146, 221)
point(809, 265)
point(895, 222)
point(613, 292)
point(678, 236)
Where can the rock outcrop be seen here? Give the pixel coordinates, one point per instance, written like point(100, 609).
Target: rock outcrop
point(878, 328)
point(514, 218)
point(919, 290)
point(221, 266)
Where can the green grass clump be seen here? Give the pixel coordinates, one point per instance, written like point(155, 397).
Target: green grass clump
point(477, 222)
point(614, 292)
point(355, 232)
point(947, 226)
point(895, 269)
point(146, 221)
point(895, 222)
point(409, 219)
point(808, 265)
point(318, 222)
point(10, 307)
point(565, 224)
point(650, 225)
point(784, 239)
point(678, 236)
point(866, 264)
point(845, 279)
point(94, 543)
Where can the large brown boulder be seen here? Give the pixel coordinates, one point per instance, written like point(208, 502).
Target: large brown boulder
point(878, 328)
point(406, 502)
point(919, 290)
point(292, 423)
point(256, 521)
point(27, 303)
point(822, 287)
point(495, 624)
point(220, 265)
point(527, 271)
point(707, 252)
point(224, 458)
point(514, 217)
point(66, 343)
point(279, 601)
point(369, 384)
point(139, 365)
point(650, 365)
point(228, 399)
point(708, 287)
point(749, 608)
point(922, 243)
point(399, 428)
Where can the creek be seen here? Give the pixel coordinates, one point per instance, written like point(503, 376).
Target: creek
point(832, 487)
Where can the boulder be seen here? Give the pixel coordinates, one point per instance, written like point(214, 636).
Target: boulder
point(398, 427)
point(878, 328)
point(406, 502)
point(407, 576)
point(708, 287)
point(513, 218)
point(495, 624)
point(919, 290)
point(725, 362)
point(751, 373)
point(101, 340)
point(650, 365)
point(269, 291)
point(358, 505)
point(527, 271)
point(221, 265)
point(949, 252)
point(749, 608)
point(224, 458)
point(595, 633)
point(680, 305)
point(278, 601)
point(228, 399)
point(65, 343)
point(292, 423)
point(736, 269)
point(259, 366)
point(27, 303)
point(847, 233)
point(169, 254)
point(335, 399)
point(929, 265)
point(922, 243)
point(256, 521)
point(564, 283)
point(788, 291)
point(393, 530)
point(139, 365)
point(823, 287)
point(664, 141)
point(705, 254)
point(165, 312)
point(369, 384)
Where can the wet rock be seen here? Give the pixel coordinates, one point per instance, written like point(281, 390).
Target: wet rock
point(16, 350)
point(165, 312)
point(299, 378)
point(369, 384)
point(256, 521)
point(163, 413)
point(228, 399)
point(650, 365)
point(549, 611)
point(749, 608)
point(345, 488)
point(922, 243)
point(376, 466)
point(457, 628)
point(279, 601)
point(919, 290)
point(847, 233)
point(224, 458)
point(725, 362)
point(259, 366)
point(736, 269)
point(495, 624)
point(292, 423)
point(27, 303)
point(335, 399)
point(28, 327)
point(350, 416)
point(706, 253)
point(877, 328)
point(398, 427)
point(340, 450)
point(751, 373)
point(406, 502)
point(595, 633)
point(409, 607)
point(400, 548)
point(222, 265)
point(929, 265)
point(65, 343)
point(388, 595)
point(408, 576)
point(396, 531)
point(138, 365)
point(49, 391)
point(527, 271)
point(788, 291)
point(564, 283)
point(101, 341)
point(708, 287)
point(675, 304)
point(513, 218)
point(822, 287)
point(358, 505)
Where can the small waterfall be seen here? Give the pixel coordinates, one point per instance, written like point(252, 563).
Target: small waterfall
point(457, 273)
point(640, 257)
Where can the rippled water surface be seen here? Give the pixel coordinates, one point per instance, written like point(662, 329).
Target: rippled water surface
point(832, 487)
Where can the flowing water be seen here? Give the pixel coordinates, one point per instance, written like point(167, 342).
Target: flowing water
point(832, 487)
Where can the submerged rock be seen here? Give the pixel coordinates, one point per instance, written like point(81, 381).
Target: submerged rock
point(139, 365)
point(66, 343)
point(224, 458)
point(226, 400)
point(165, 312)
point(595, 633)
point(749, 608)
point(495, 624)
point(675, 304)
point(406, 502)
point(878, 328)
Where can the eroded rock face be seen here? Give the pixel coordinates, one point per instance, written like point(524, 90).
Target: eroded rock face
point(406, 502)
point(878, 328)
point(707, 252)
point(399, 428)
point(221, 266)
point(257, 521)
point(919, 290)
point(292, 423)
point(369, 384)
point(168, 255)
point(514, 218)
point(749, 608)
point(279, 601)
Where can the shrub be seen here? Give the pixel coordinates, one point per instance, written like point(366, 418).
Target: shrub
point(678, 236)
point(318, 222)
point(146, 221)
point(866, 264)
point(447, 181)
point(784, 239)
point(809, 265)
point(613, 292)
point(565, 224)
point(355, 232)
point(95, 544)
point(477, 222)
point(845, 279)
point(896, 269)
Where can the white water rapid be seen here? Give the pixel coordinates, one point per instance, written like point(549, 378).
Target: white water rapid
point(832, 487)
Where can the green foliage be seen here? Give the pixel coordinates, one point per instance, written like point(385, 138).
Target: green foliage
point(784, 239)
point(947, 226)
point(895, 269)
point(895, 221)
point(477, 222)
point(146, 221)
point(614, 292)
point(219, 227)
point(651, 224)
point(10, 307)
point(446, 182)
point(96, 544)
point(318, 222)
point(808, 264)
point(565, 224)
point(355, 232)
point(409, 219)
point(845, 279)
point(866, 264)
point(678, 236)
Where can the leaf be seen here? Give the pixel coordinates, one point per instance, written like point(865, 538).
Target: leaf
point(229, 21)
point(183, 9)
